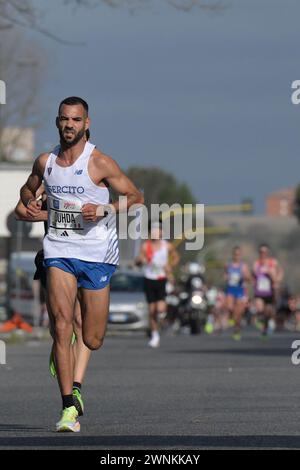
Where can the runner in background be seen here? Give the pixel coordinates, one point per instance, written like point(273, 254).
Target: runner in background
point(158, 257)
point(267, 275)
point(237, 274)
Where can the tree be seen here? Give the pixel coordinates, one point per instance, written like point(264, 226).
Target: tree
point(25, 14)
point(160, 186)
point(20, 68)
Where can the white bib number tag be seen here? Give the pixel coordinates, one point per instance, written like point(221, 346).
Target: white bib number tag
point(65, 219)
point(234, 279)
point(264, 284)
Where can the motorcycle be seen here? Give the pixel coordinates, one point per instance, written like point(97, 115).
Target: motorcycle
point(193, 305)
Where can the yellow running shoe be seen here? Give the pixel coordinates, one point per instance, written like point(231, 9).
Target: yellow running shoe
point(78, 401)
point(237, 336)
point(52, 366)
point(209, 328)
point(68, 421)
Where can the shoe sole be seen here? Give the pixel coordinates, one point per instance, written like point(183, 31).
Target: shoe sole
point(69, 427)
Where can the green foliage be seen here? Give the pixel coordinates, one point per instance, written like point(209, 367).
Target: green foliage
point(160, 186)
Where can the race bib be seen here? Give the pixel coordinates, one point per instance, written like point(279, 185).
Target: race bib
point(264, 284)
point(65, 219)
point(234, 279)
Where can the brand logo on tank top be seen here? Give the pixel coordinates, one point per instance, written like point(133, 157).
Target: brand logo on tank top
point(78, 172)
point(64, 234)
point(49, 171)
point(52, 189)
point(69, 205)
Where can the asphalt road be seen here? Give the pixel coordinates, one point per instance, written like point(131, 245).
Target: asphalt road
point(192, 393)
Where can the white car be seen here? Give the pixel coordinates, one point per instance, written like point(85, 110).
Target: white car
point(128, 308)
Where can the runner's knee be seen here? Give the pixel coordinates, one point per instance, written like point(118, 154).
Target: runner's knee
point(63, 328)
point(93, 342)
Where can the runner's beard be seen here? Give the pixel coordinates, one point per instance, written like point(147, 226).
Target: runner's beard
point(70, 143)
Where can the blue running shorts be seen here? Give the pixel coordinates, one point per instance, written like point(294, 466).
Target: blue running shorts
point(236, 291)
point(89, 275)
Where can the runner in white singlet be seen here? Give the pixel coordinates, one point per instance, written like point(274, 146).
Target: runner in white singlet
point(81, 244)
point(158, 257)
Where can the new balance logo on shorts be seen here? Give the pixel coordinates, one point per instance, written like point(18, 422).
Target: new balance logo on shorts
point(64, 234)
point(103, 279)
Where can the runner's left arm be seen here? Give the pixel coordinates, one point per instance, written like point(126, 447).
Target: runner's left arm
point(279, 273)
point(173, 260)
point(119, 182)
point(174, 256)
point(246, 273)
point(142, 256)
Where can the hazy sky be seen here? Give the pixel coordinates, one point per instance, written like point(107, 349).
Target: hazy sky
point(205, 96)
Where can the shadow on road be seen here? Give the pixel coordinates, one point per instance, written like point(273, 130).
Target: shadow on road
point(154, 442)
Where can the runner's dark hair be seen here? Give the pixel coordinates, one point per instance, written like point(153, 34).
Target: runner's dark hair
point(71, 100)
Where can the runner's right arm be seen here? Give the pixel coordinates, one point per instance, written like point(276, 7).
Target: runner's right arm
point(21, 214)
point(21, 211)
point(28, 191)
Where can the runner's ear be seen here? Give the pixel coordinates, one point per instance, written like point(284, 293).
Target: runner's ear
point(56, 122)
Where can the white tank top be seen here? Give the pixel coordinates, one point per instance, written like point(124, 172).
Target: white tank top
point(155, 268)
point(69, 236)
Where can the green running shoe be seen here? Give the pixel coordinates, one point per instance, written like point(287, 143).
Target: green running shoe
point(52, 367)
point(259, 325)
point(68, 421)
point(78, 401)
point(209, 328)
point(237, 336)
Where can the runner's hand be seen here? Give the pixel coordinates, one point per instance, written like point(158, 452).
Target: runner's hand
point(92, 212)
point(33, 209)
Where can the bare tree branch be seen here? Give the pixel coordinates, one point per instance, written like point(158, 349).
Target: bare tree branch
point(23, 14)
point(21, 63)
point(183, 5)
point(188, 5)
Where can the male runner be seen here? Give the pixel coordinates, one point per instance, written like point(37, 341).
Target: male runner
point(78, 349)
point(81, 246)
point(267, 276)
point(236, 274)
point(158, 257)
